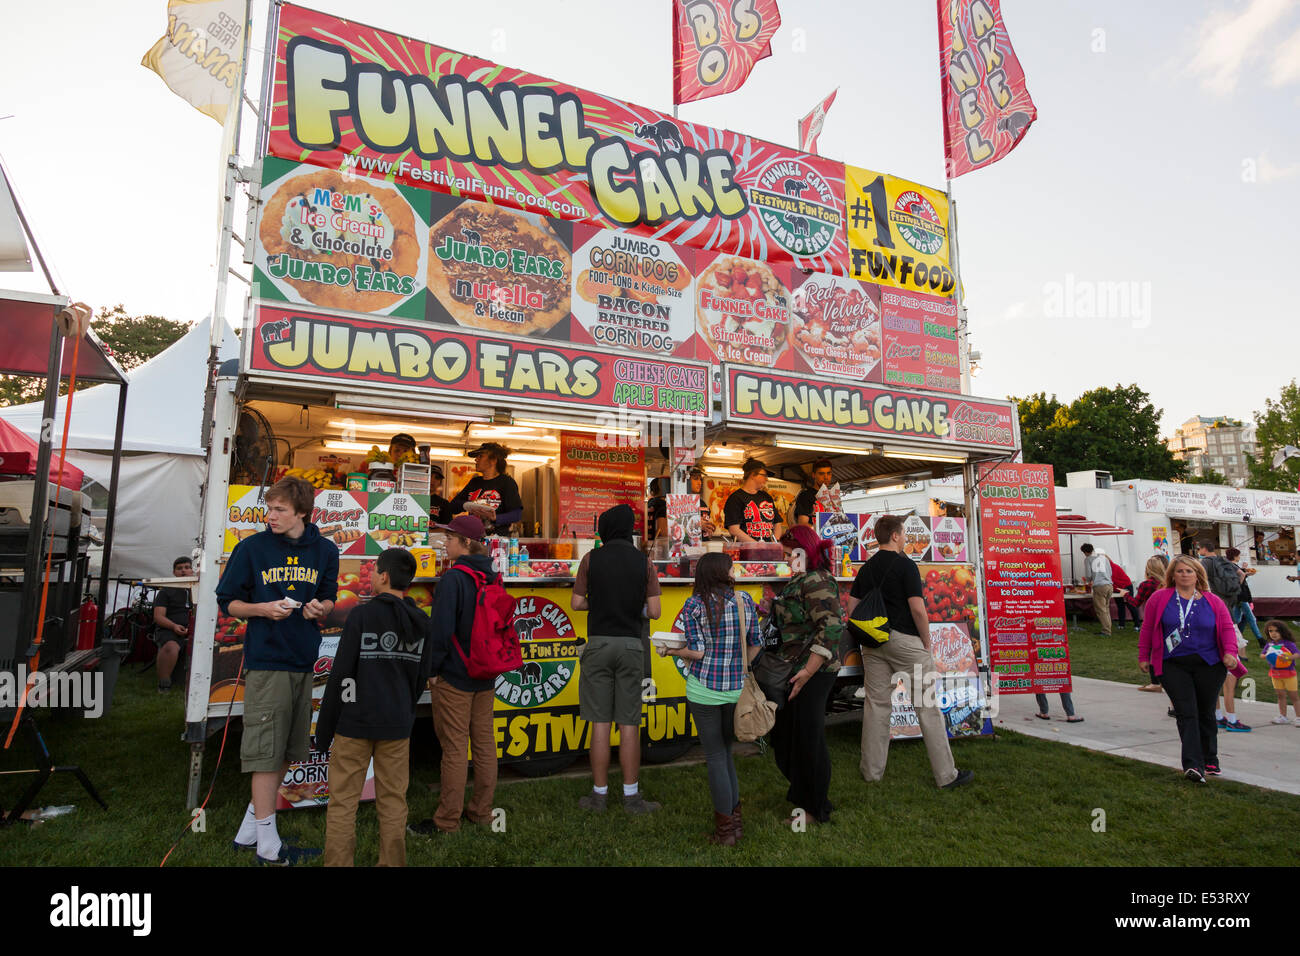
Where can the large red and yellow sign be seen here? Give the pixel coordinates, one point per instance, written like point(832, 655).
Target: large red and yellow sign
point(438, 360)
point(354, 98)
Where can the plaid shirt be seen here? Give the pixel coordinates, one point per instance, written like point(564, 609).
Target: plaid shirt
point(721, 668)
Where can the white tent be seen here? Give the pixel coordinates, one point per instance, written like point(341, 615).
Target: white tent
point(161, 478)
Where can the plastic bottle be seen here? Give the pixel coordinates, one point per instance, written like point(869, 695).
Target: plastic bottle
point(847, 568)
point(523, 553)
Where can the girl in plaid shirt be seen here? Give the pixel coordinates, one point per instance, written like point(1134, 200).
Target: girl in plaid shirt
point(715, 675)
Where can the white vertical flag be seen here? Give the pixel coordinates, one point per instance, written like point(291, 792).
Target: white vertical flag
point(199, 58)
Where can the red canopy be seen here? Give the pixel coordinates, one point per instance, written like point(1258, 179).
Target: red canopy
point(12, 441)
point(1078, 524)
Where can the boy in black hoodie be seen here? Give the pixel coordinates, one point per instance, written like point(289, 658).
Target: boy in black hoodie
point(462, 706)
point(383, 662)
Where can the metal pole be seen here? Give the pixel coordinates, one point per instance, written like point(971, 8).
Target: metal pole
point(208, 568)
point(975, 539)
point(28, 626)
point(111, 518)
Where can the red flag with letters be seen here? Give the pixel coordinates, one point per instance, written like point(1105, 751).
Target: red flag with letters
point(716, 43)
point(986, 104)
point(810, 127)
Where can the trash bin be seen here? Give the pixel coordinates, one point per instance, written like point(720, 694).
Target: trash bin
point(113, 652)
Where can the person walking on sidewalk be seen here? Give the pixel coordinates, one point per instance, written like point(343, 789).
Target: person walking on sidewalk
point(383, 661)
point(907, 649)
point(721, 627)
point(1153, 579)
point(1188, 640)
point(1245, 612)
point(618, 587)
point(1096, 575)
point(462, 706)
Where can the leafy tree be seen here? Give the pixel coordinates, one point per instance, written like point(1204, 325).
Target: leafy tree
point(1210, 477)
point(1108, 429)
point(132, 340)
point(1276, 427)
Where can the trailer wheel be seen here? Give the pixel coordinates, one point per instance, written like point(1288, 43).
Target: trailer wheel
point(543, 766)
point(666, 752)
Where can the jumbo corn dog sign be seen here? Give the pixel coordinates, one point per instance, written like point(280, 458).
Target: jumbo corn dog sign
point(353, 98)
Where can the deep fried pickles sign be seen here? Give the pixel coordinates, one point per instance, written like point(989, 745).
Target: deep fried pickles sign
point(351, 97)
point(343, 349)
point(862, 411)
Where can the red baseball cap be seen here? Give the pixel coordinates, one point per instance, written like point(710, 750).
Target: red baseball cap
point(467, 526)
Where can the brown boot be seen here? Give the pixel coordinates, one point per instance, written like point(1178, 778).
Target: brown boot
point(736, 822)
point(724, 829)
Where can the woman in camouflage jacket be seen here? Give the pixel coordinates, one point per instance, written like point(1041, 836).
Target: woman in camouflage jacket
point(811, 622)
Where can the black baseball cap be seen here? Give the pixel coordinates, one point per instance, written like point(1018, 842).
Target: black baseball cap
point(753, 466)
point(401, 438)
point(436, 471)
point(489, 448)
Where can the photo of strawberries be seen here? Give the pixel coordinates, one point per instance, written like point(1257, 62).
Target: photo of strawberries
point(950, 593)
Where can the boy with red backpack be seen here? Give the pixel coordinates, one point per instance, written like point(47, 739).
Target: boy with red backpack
point(462, 694)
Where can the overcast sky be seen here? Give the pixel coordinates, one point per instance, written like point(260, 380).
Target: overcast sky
point(1165, 164)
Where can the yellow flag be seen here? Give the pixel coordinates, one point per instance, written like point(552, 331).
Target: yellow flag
point(199, 58)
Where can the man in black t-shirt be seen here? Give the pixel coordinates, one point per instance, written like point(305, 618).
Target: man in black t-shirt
point(750, 513)
point(171, 618)
point(908, 646)
point(805, 506)
point(439, 507)
point(490, 495)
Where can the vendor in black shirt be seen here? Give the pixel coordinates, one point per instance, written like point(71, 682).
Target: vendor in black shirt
point(656, 510)
point(491, 495)
point(171, 618)
point(805, 506)
point(750, 513)
point(439, 507)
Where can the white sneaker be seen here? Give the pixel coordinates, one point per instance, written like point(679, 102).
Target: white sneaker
point(1297, 721)
point(1280, 719)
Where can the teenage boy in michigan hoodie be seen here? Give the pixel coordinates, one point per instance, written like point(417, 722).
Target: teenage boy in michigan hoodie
point(384, 660)
point(283, 581)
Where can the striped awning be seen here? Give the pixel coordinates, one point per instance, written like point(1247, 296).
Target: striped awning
point(1078, 524)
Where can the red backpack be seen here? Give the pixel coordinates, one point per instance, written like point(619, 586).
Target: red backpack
point(493, 641)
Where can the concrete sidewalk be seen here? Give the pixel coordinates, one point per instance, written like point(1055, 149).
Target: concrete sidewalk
point(1119, 719)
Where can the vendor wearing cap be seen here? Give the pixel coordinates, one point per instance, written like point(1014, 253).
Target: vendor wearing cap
point(806, 505)
point(491, 494)
point(439, 507)
point(750, 512)
point(401, 448)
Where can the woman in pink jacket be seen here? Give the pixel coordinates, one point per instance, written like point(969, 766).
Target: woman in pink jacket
point(1188, 641)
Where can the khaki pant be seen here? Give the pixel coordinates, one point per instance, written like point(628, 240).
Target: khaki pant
point(898, 656)
point(464, 720)
point(348, 762)
point(1101, 605)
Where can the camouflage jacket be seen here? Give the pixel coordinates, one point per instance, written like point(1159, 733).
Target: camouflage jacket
point(809, 606)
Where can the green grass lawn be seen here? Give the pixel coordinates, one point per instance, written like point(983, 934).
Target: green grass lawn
point(1092, 654)
point(1032, 803)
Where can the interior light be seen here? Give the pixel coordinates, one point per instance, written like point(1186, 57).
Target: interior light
point(334, 444)
point(918, 456)
point(835, 449)
point(577, 427)
point(718, 471)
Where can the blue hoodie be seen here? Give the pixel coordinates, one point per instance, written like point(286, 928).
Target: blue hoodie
point(271, 567)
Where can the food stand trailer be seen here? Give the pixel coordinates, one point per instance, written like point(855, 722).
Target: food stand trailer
point(608, 290)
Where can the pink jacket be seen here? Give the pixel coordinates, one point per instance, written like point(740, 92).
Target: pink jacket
point(1151, 643)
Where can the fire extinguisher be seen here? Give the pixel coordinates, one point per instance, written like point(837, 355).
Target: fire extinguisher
point(87, 623)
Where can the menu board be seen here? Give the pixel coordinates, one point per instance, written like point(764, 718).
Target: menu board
point(919, 336)
point(742, 310)
point(594, 477)
point(632, 293)
point(1218, 503)
point(835, 326)
point(1022, 579)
